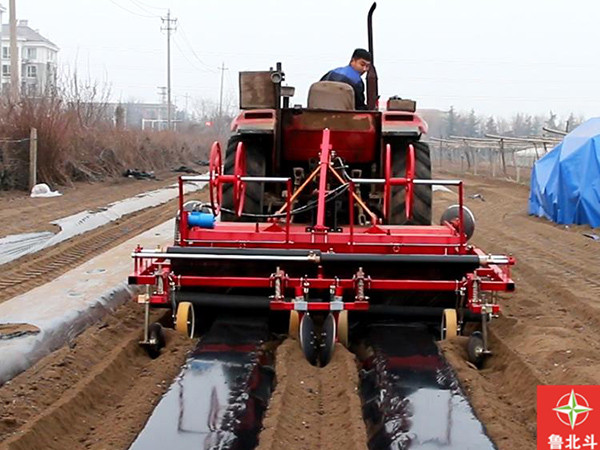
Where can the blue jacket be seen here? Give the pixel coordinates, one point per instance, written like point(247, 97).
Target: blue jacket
point(349, 75)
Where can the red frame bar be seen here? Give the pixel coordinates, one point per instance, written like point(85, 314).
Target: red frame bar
point(448, 239)
point(324, 163)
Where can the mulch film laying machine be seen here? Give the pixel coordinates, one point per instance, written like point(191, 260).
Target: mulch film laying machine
point(322, 215)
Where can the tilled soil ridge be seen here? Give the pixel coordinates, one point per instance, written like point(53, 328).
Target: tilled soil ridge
point(96, 393)
point(314, 408)
point(546, 334)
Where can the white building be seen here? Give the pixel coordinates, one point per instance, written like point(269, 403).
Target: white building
point(36, 59)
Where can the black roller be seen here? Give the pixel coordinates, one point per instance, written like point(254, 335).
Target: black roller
point(391, 259)
point(424, 313)
point(224, 300)
point(241, 251)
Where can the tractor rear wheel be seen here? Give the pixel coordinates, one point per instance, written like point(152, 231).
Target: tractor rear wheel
point(256, 167)
point(421, 213)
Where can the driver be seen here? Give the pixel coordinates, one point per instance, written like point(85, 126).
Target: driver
point(351, 74)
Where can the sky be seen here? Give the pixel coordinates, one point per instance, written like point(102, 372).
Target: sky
point(498, 57)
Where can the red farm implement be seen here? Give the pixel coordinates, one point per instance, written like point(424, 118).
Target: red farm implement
point(322, 216)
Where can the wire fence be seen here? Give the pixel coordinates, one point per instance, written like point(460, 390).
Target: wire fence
point(501, 157)
point(14, 162)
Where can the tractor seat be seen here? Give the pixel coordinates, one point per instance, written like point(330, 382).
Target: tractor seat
point(331, 95)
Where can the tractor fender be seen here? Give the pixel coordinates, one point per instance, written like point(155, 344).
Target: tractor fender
point(402, 123)
point(255, 121)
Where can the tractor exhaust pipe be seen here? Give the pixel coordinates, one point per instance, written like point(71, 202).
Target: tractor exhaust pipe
point(372, 87)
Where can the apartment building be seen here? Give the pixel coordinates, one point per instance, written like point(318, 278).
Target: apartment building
point(36, 55)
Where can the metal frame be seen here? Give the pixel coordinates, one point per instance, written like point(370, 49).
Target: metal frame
point(279, 242)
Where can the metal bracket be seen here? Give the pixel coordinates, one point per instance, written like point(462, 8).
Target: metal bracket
point(360, 284)
point(278, 283)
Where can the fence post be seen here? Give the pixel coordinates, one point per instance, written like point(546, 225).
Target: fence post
point(502, 155)
point(32, 158)
point(492, 165)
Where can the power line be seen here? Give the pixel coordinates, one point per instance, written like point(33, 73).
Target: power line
point(143, 6)
point(132, 12)
point(230, 85)
point(183, 34)
point(200, 69)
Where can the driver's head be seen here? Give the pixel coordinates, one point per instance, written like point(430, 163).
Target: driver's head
point(361, 60)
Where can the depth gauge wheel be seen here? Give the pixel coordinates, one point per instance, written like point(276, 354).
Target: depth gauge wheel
point(342, 328)
point(185, 319)
point(449, 325)
point(294, 326)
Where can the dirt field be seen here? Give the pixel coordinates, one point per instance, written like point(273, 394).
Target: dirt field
point(547, 334)
point(96, 393)
point(34, 269)
point(312, 407)
point(87, 395)
point(22, 214)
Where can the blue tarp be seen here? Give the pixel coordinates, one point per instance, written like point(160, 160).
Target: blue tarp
point(565, 183)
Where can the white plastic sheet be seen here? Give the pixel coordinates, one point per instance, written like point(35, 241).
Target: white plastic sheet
point(17, 245)
point(66, 306)
point(43, 190)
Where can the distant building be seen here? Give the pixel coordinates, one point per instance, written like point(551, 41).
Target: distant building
point(147, 116)
point(36, 59)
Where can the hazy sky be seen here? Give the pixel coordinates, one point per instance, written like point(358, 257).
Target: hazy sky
point(496, 56)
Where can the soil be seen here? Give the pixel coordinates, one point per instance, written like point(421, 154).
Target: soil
point(22, 214)
point(32, 270)
point(547, 331)
point(314, 407)
point(95, 393)
point(99, 391)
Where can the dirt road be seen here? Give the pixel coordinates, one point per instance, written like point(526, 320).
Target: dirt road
point(89, 395)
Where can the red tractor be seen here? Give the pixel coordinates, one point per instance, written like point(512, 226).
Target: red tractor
point(279, 140)
point(317, 212)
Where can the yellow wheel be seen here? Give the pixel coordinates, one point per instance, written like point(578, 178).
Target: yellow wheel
point(342, 328)
point(294, 325)
point(185, 320)
point(449, 324)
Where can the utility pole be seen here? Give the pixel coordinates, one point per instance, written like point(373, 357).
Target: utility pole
point(222, 69)
point(186, 96)
point(162, 94)
point(168, 28)
point(14, 62)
